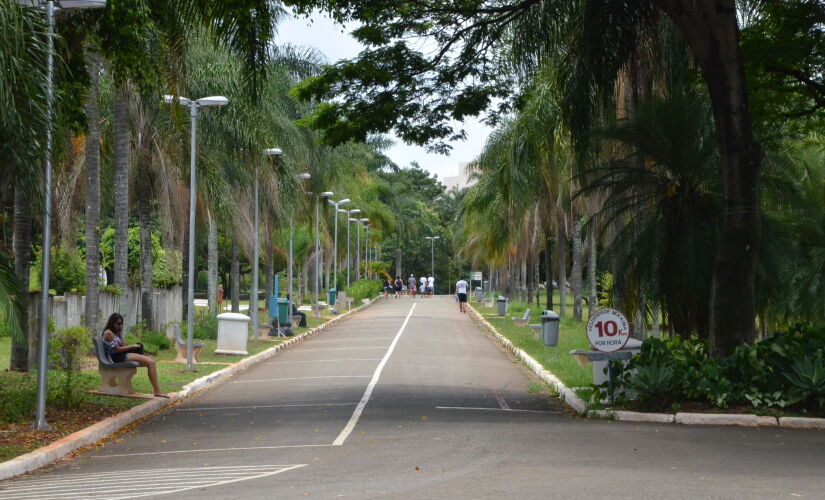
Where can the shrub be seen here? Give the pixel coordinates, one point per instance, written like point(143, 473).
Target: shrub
point(784, 371)
point(205, 328)
point(152, 341)
point(67, 348)
point(365, 289)
point(18, 395)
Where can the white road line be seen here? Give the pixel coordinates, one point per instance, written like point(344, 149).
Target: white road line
point(367, 393)
point(296, 378)
point(322, 361)
point(263, 406)
point(338, 349)
point(492, 409)
point(212, 450)
point(215, 484)
point(350, 340)
point(135, 484)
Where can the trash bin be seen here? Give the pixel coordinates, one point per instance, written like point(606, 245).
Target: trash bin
point(333, 294)
point(283, 312)
point(479, 294)
point(549, 328)
point(502, 305)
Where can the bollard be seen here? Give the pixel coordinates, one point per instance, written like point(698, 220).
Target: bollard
point(502, 305)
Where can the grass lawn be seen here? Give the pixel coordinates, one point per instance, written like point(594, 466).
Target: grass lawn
point(571, 336)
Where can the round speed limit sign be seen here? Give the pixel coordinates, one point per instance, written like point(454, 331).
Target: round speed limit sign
point(608, 330)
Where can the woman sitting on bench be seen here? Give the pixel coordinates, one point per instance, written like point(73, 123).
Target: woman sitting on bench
point(119, 352)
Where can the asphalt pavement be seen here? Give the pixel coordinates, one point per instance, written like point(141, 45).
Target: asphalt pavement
point(409, 399)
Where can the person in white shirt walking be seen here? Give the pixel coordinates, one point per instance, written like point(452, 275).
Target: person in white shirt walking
point(423, 288)
point(430, 286)
point(461, 291)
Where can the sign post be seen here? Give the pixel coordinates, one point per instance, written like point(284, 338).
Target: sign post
point(608, 331)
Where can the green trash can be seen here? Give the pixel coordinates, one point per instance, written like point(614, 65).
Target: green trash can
point(283, 312)
point(333, 294)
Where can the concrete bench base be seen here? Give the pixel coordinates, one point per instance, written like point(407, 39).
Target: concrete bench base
point(536, 330)
point(181, 349)
point(116, 381)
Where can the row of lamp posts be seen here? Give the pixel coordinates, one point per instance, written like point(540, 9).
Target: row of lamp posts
point(50, 7)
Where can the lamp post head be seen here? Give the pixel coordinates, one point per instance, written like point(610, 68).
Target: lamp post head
point(170, 99)
point(325, 194)
point(215, 100)
point(304, 176)
point(355, 211)
point(342, 211)
point(273, 152)
point(353, 220)
point(364, 220)
point(66, 4)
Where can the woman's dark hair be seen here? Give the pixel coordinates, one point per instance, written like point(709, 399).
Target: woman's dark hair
point(114, 318)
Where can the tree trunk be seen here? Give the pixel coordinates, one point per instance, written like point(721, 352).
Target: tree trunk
point(92, 192)
point(144, 197)
point(235, 278)
point(562, 258)
point(593, 303)
point(121, 179)
point(22, 245)
point(548, 268)
point(212, 265)
point(710, 28)
point(655, 323)
point(529, 282)
point(576, 272)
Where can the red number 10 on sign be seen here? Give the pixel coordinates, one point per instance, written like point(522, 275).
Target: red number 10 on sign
point(607, 328)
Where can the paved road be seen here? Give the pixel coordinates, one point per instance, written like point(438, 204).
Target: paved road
point(407, 399)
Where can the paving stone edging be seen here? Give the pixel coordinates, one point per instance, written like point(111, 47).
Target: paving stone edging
point(55, 451)
point(564, 392)
point(570, 397)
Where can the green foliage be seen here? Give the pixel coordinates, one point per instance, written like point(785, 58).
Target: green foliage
point(166, 271)
point(18, 392)
point(786, 371)
point(113, 289)
point(68, 270)
point(66, 351)
point(652, 382)
point(18, 395)
point(153, 342)
point(206, 327)
point(365, 289)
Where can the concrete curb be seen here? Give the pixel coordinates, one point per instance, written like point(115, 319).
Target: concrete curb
point(564, 392)
point(53, 452)
point(570, 397)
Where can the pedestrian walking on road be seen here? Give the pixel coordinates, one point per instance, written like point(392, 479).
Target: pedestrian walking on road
point(387, 288)
point(423, 287)
point(461, 292)
point(430, 286)
point(399, 286)
point(411, 285)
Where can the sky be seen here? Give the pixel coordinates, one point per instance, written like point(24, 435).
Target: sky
point(335, 43)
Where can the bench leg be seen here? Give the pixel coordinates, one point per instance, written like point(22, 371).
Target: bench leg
point(181, 350)
point(117, 381)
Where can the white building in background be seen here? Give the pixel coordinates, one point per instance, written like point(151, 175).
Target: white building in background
point(460, 181)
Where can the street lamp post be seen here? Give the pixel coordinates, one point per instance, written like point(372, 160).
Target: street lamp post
point(348, 212)
point(360, 222)
point(325, 194)
point(42, 371)
point(193, 114)
point(367, 251)
point(432, 253)
point(302, 177)
point(253, 309)
point(335, 245)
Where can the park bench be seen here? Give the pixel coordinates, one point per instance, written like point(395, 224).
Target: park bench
point(524, 320)
point(180, 347)
point(115, 378)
